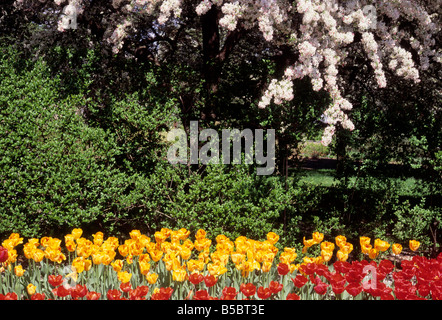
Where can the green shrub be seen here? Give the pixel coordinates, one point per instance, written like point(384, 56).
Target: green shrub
point(55, 171)
point(313, 149)
point(418, 222)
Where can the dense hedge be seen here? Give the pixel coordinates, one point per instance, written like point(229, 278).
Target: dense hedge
point(58, 172)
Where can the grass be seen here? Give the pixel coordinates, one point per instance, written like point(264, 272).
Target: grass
point(325, 178)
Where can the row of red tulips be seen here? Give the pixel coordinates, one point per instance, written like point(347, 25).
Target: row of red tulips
point(418, 279)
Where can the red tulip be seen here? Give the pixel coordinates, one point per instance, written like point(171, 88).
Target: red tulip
point(138, 293)
point(283, 269)
point(423, 289)
point(299, 281)
point(354, 276)
point(342, 266)
point(196, 278)
point(55, 281)
point(248, 289)
point(387, 296)
point(275, 287)
point(293, 296)
point(229, 293)
point(210, 280)
point(322, 270)
point(9, 296)
point(38, 296)
point(353, 289)
point(78, 291)
point(386, 266)
point(61, 291)
point(3, 254)
point(92, 295)
point(320, 287)
point(163, 294)
point(264, 293)
point(338, 288)
point(201, 295)
point(114, 294)
point(308, 268)
point(125, 287)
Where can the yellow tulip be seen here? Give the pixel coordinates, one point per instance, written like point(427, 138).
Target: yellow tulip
point(287, 257)
point(28, 250)
point(172, 264)
point(319, 260)
point(45, 241)
point(144, 240)
point(76, 233)
point(373, 253)
point(124, 276)
point(327, 246)
point(365, 248)
point(294, 267)
point(38, 255)
point(185, 253)
point(341, 241)
point(156, 255)
point(200, 234)
point(110, 243)
point(269, 257)
point(414, 245)
point(117, 265)
point(272, 237)
point(308, 243)
point(98, 238)
point(159, 237)
point(216, 269)
point(97, 258)
point(175, 237)
point(135, 234)
point(204, 256)
point(166, 232)
point(221, 238)
point(71, 246)
point(381, 245)
point(152, 278)
point(237, 257)
point(144, 267)
point(13, 241)
point(195, 265)
point(396, 248)
point(31, 289)
point(341, 255)
point(69, 237)
point(219, 257)
point(308, 260)
point(108, 257)
point(179, 275)
point(364, 241)
point(18, 270)
point(8, 244)
point(81, 264)
point(201, 244)
point(183, 234)
point(346, 247)
point(318, 237)
point(326, 255)
point(266, 266)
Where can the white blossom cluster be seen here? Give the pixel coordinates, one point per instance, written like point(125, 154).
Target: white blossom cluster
point(326, 29)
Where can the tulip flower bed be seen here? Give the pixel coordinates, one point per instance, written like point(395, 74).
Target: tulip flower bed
point(171, 266)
